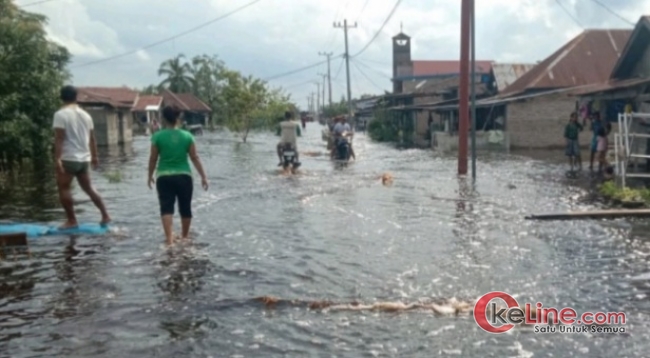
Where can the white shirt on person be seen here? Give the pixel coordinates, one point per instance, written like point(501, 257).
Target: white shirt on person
point(340, 128)
point(289, 131)
point(77, 125)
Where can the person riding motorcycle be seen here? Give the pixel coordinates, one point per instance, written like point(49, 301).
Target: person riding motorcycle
point(340, 128)
point(289, 130)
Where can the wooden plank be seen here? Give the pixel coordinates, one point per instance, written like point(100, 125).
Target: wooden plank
point(599, 214)
point(13, 239)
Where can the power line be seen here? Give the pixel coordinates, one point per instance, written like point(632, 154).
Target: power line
point(613, 12)
point(338, 72)
point(362, 9)
point(566, 11)
point(170, 38)
point(366, 76)
point(392, 12)
point(297, 70)
point(372, 69)
point(35, 3)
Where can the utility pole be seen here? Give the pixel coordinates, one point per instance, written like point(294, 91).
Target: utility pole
point(324, 77)
point(312, 102)
point(329, 75)
point(318, 101)
point(463, 95)
point(308, 103)
point(473, 91)
point(345, 28)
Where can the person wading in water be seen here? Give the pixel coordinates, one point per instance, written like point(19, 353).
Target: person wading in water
point(75, 150)
point(170, 149)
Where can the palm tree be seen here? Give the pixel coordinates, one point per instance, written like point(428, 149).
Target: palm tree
point(178, 75)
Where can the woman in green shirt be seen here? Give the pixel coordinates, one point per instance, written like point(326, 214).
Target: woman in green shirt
point(170, 149)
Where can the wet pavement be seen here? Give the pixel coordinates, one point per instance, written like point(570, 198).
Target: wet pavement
point(330, 233)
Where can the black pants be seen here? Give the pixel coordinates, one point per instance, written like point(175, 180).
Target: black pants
point(172, 187)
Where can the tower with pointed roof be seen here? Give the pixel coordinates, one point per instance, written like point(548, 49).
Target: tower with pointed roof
point(402, 65)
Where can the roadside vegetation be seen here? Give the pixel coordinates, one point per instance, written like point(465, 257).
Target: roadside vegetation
point(619, 195)
point(32, 70)
point(240, 103)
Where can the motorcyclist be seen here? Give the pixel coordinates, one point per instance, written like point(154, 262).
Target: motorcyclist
point(341, 128)
point(289, 130)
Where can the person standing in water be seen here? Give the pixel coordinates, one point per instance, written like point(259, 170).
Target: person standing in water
point(571, 135)
point(75, 150)
point(170, 149)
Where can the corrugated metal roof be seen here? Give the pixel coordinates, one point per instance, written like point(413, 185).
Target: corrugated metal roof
point(146, 101)
point(588, 58)
point(633, 50)
point(612, 85)
point(423, 68)
point(507, 73)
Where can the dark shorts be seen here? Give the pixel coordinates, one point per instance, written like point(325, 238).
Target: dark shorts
point(173, 187)
point(75, 168)
point(573, 148)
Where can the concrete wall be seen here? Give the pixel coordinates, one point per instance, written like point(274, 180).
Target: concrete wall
point(539, 122)
point(445, 142)
point(125, 126)
point(105, 123)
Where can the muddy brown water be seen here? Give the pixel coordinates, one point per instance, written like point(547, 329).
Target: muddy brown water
point(331, 233)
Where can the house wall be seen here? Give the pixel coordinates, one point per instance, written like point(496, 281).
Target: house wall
point(125, 128)
point(105, 123)
point(539, 122)
point(642, 68)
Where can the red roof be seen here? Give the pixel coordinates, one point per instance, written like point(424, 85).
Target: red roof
point(185, 101)
point(114, 96)
point(144, 101)
point(588, 58)
point(423, 68)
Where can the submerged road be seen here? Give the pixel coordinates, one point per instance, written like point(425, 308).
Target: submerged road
point(326, 234)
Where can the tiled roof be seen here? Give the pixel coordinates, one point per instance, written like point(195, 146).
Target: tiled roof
point(588, 58)
point(423, 68)
point(144, 101)
point(114, 96)
point(185, 101)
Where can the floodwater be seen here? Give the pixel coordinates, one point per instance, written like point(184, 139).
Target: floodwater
point(327, 234)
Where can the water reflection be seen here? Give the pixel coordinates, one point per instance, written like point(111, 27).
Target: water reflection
point(326, 234)
point(183, 272)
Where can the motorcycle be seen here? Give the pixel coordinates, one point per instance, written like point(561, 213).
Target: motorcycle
point(342, 151)
point(289, 158)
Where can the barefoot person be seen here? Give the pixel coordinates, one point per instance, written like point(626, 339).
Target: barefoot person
point(75, 149)
point(170, 149)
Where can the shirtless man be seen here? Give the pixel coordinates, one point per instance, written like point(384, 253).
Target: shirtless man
point(75, 150)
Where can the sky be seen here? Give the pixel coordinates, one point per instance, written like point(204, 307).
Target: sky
point(273, 37)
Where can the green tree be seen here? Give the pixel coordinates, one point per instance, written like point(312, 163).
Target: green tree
point(336, 109)
point(209, 81)
point(178, 75)
point(32, 70)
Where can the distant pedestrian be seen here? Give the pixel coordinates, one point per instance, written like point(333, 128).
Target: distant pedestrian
point(596, 124)
point(601, 148)
point(75, 150)
point(171, 148)
point(571, 135)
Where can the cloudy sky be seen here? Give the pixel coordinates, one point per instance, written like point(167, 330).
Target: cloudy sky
point(273, 37)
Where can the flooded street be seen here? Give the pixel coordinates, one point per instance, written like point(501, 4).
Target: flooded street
point(327, 234)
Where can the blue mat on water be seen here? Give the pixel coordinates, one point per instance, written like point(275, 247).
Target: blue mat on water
point(35, 230)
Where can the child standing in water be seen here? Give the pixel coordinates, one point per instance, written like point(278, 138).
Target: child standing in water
point(601, 148)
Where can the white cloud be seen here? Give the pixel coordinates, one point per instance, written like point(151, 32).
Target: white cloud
point(276, 36)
